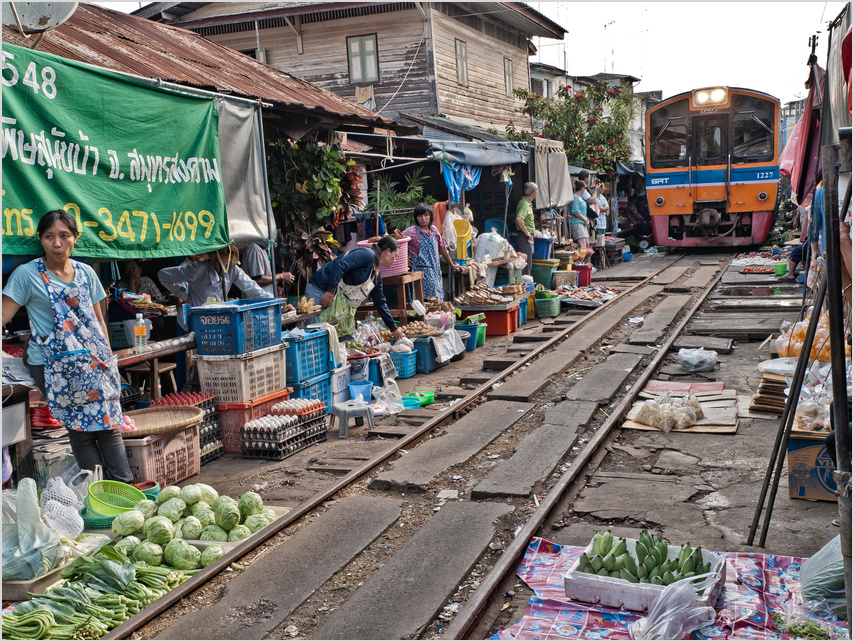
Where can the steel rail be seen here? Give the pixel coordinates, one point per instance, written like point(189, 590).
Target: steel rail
point(467, 618)
point(257, 539)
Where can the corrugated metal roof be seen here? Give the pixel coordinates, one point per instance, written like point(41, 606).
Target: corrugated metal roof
point(127, 43)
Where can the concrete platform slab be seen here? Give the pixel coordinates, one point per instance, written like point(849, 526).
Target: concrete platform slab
point(289, 574)
point(656, 321)
point(628, 499)
point(497, 363)
point(407, 592)
point(604, 379)
point(721, 345)
point(535, 457)
point(702, 277)
point(670, 275)
point(463, 439)
point(639, 349)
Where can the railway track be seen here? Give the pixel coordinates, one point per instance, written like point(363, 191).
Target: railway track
point(364, 558)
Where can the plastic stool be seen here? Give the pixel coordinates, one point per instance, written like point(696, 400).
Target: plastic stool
point(347, 409)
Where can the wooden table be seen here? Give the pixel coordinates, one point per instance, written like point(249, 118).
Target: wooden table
point(128, 357)
point(400, 282)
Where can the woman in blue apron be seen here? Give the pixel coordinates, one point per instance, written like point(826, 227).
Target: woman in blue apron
point(69, 354)
point(425, 246)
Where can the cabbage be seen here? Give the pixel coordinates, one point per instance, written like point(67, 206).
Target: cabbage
point(159, 530)
point(269, 514)
point(200, 506)
point(187, 511)
point(238, 533)
point(147, 507)
point(213, 534)
point(209, 494)
point(191, 494)
point(148, 552)
point(170, 492)
point(222, 499)
point(191, 528)
point(227, 515)
point(172, 508)
point(127, 545)
point(128, 523)
point(255, 523)
point(250, 504)
point(211, 554)
point(182, 555)
point(205, 517)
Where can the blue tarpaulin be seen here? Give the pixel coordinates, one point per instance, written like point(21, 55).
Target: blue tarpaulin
point(482, 154)
point(460, 178)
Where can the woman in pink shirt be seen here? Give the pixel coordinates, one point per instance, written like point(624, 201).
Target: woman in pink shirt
point(425, 246)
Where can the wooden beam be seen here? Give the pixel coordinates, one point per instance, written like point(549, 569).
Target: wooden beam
point(297, 30)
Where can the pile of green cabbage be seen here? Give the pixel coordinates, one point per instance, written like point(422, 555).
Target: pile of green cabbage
point(158, 532)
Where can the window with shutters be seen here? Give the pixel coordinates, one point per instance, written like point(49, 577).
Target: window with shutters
point(362, 57)
point(537, 85)
point(462, 62)
point(508, 77)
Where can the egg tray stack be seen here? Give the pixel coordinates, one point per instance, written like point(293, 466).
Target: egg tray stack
point(279, 436)
point(210, 430)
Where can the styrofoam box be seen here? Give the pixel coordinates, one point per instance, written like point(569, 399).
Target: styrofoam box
point(341, 396)
point(621, 594)
point(340, 379)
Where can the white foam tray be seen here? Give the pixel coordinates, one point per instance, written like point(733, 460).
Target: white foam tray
point(621, 594)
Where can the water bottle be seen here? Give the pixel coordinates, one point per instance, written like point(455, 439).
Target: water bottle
point(140, 335)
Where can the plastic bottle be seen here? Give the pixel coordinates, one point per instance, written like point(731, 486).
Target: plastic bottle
point(140, 335)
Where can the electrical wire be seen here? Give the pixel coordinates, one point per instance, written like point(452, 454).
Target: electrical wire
point(414, 58)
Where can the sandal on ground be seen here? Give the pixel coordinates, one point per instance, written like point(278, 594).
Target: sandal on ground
point(834, 522)
point(785, 278)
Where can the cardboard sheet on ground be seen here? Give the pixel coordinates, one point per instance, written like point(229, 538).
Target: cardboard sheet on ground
point(710, 429)
point(757, 586)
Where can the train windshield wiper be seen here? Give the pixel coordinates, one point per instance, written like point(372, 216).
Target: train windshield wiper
point(768, 129)
point(663, 129)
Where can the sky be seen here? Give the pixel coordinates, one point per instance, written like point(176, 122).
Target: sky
point(680, 46)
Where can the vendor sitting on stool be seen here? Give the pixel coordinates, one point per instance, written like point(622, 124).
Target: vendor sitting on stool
point(342, 285)
point(525, 224)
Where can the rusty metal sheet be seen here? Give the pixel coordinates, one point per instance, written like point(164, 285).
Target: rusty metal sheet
point(123, 42)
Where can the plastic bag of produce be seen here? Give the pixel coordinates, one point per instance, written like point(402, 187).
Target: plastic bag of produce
point(63, 520)
point(784, 366)
point(675, 613)
point(182, 555)
point(30, 548)
point(211, 554)
point(250, 504)
point(823, 577)
point(172, 508)
point(128, 523)
point(698, 360)
point(56, 490)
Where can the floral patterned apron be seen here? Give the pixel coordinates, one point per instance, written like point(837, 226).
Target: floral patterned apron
point(428, 263)
point(81, 375)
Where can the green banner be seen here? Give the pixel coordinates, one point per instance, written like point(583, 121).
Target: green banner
point(137, 166)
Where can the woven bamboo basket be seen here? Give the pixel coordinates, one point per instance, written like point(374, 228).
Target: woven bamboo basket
point(161, 420)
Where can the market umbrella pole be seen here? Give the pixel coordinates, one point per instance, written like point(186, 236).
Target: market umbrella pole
point(782, 440)
point(836, 159)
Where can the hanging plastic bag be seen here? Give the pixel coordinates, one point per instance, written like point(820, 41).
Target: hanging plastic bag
point(79, 483)
point(698, 360)
point(823, 577)
point(30, 548)
point(675, 613)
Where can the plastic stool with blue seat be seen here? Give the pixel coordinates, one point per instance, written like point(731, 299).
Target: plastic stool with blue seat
point(345, 410)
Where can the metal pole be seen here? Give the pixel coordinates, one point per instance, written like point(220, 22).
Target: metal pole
point(271, 253)
point(794, 391)
point(833, 156)
point(780, 444)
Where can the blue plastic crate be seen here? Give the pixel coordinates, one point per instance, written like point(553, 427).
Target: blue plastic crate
point(308, 356)
point(543, 248)
point(237, 328)
point(425, 360)
point(316, 388)
point(523, 311)
point(404, 363)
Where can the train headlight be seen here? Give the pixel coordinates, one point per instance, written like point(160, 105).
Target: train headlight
point(702, 97)
point(718, 95)
point(763, 196)
point(712, 96)
point(659, 201)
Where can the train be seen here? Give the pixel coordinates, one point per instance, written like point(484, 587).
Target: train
point(712, 167)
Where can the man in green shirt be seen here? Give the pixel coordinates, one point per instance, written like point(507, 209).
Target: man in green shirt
point(525, 224)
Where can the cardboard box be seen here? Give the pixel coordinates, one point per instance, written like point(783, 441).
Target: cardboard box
point(811, 471)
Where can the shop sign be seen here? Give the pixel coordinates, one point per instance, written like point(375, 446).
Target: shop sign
point(137, 166)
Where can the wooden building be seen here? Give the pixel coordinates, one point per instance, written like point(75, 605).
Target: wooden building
point(455, 59)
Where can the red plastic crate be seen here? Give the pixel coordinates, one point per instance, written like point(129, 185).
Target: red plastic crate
point(166, 459)
point(502, 322)
point(232, 417)
point(584, 274)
